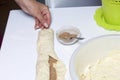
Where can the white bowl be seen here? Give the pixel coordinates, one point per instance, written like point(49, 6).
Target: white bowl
point(90, 51)
point(71, 30)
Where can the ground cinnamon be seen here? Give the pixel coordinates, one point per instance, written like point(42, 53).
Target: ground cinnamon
point(67, 36)
point(53, 75)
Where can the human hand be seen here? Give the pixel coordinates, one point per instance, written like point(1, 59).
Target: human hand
point(38, 10)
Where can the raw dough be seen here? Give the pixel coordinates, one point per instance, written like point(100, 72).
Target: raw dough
point(45, 48)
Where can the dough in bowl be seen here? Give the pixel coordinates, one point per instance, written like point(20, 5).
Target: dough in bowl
point(107, 68)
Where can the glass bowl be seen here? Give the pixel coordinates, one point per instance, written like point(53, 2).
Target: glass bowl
point(67, 35)
point(90, 51)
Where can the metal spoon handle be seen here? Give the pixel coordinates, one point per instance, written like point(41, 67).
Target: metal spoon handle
point(80, 38)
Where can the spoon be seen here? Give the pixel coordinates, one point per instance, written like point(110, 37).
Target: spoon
point(79, 38)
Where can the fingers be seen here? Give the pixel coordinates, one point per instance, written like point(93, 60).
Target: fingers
point(46, 16)
point(43, 20)
point(38, 24)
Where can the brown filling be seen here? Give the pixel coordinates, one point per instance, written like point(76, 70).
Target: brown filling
point(67, 36)
point(53, 74)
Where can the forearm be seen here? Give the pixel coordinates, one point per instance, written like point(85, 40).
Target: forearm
point(24, 4)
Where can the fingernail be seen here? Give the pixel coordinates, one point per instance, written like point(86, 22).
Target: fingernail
point(46, 25)
point(36, 27)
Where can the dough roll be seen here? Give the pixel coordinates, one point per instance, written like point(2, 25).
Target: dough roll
point(48, 66)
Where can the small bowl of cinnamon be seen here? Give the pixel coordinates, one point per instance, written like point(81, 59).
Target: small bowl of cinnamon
point(68, 35)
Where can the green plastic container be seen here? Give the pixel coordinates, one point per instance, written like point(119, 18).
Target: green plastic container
point(111, 11)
